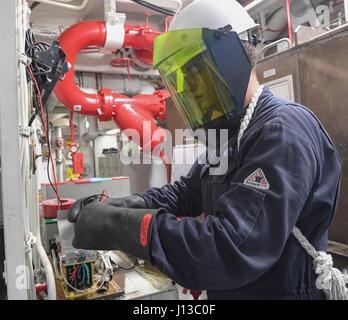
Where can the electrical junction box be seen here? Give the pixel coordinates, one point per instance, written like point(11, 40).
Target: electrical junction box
point(115, 187)
point(78, 256)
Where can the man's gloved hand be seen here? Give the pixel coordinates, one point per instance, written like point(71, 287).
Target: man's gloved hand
point(80, 204)
point(134, 201)
point(101, 226)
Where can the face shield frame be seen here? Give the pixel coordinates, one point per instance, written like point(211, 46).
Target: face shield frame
point(218, 65)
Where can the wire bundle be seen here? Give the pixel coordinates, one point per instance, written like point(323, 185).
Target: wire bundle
point(31, 49)
point(80, 276)
point(35, 71)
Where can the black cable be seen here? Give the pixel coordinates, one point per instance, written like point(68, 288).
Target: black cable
point(31, 48)
point(118, 265)
point(154, 7)
point(130, 268)
point(127, 269)
point(34, 5)
point(49, 150)
point(39, 68)
point(37, 112)
point(32, 118)
point(43, 46)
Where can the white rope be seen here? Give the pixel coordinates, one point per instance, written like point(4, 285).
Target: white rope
point(30, 243)
point(329, 279)
point(249, 114)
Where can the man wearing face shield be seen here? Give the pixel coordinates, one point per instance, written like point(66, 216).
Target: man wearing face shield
point(283, 173)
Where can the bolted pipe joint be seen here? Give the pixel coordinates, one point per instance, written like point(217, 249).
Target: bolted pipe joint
point(106, 112)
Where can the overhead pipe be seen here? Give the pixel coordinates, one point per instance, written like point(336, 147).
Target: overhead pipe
point(128, 113)
point(289, 17)
point(80, 7)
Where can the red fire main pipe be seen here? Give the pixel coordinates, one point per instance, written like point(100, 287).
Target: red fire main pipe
point(290, 29)
point(128, 113)
point(141, 39)
point(72, 41)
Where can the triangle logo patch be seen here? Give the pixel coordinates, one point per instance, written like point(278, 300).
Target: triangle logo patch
point(257, 180)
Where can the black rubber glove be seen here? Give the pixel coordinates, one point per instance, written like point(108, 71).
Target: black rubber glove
point(101, 226)
point(80, 204)
point(134, 201)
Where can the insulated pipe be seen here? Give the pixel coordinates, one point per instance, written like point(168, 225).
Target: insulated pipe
point(290, 30)
point(128, 113)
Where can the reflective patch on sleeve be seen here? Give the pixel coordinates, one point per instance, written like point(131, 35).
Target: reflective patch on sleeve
point(257, 180)
point(144, 228)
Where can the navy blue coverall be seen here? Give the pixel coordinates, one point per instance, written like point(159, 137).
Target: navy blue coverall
point(244, 248)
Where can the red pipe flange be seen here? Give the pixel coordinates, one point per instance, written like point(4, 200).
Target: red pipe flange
point(107, 110)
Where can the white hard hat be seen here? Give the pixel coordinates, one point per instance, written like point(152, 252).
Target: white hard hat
point(214, 14)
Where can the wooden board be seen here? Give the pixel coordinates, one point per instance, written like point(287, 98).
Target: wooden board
point(116, 289)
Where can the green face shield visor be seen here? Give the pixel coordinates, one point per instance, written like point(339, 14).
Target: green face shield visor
point(207, 73)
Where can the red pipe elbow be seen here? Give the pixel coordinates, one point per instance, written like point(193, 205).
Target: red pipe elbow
point(129, 113)
point(72, 41)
